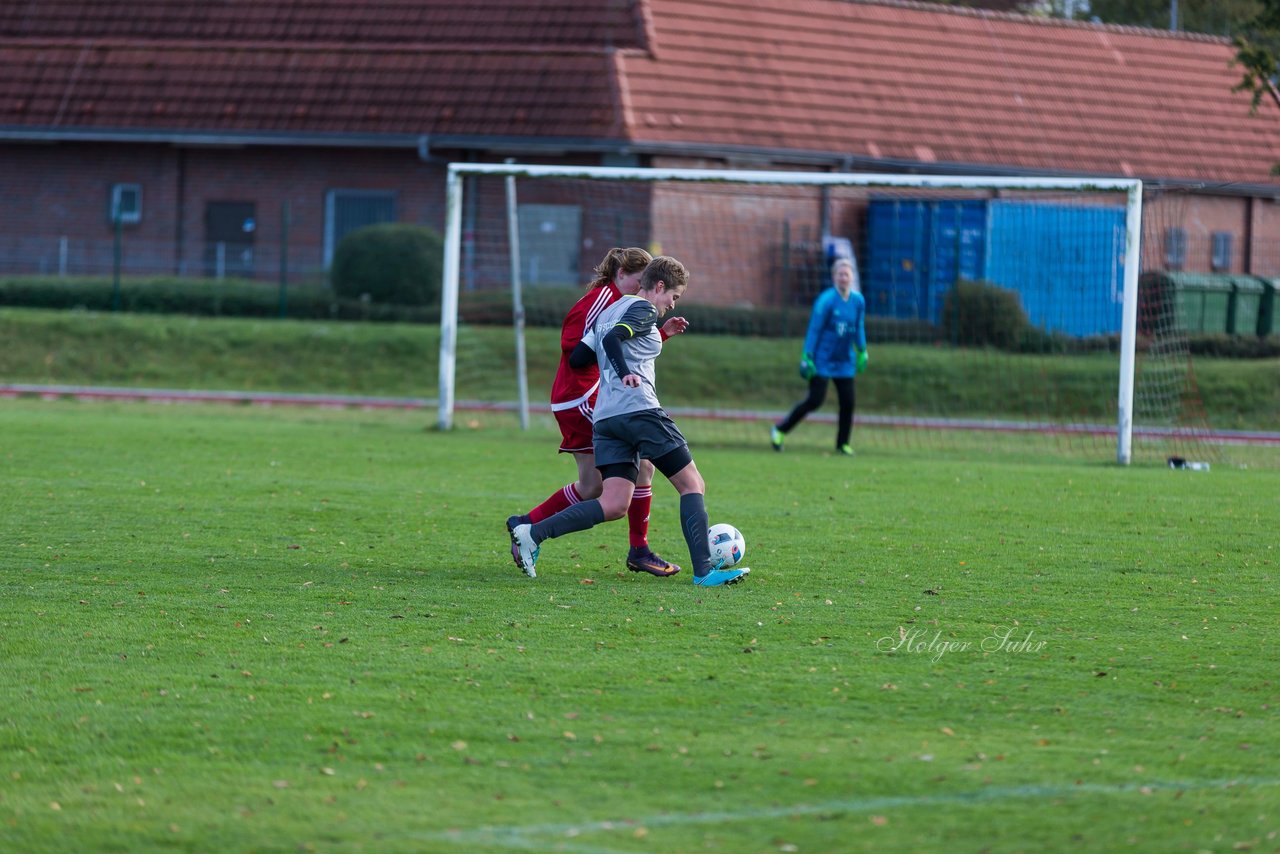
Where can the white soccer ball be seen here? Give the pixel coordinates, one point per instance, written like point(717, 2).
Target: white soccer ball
point(726, 544)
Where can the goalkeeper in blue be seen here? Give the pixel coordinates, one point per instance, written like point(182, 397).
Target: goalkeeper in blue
point(629, 425)
point(835, 349)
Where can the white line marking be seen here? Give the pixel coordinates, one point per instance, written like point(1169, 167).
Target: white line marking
point(561, 835)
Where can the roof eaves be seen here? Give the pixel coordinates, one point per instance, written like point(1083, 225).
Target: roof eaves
point(159, 46)
point(425, 144)
point(843, 162)
point(429, 148)
point(229, 139)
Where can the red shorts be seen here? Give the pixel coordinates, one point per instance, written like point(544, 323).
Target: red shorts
point(575, 430)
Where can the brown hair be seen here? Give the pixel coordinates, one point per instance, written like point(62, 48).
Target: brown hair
point(664, 269)
point(619, 262)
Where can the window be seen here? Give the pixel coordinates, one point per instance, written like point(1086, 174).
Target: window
point(347, 210)
point(1175, 248)
point(229, 230)
point(126, 203)
point(550, 240)
point(1221, 259)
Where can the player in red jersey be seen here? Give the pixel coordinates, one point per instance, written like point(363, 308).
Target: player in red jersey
point(573, 397)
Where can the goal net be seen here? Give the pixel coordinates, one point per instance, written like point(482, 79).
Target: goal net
point(1001, 313)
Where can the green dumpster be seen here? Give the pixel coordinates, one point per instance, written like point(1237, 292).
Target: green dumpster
point(1267, 308)
point(1246, 305)
point(1203, 302)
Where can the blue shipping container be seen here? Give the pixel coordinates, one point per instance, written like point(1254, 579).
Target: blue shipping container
point(916, 249)
point(1066, 262)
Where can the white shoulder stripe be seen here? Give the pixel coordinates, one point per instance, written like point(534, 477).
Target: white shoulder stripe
point(602, 301)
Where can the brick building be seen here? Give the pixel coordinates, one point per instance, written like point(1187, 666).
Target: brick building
point(228, 133)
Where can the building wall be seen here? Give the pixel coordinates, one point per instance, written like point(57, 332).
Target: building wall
point(1265, 216)
point(63, 190)
point(755, 246)
point(739, 243)
point(606, 214)
point(1199, 217)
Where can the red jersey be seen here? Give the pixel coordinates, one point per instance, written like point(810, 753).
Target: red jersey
point(573, 387)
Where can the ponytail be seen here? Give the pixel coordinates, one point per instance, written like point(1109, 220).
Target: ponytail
point(617, 262)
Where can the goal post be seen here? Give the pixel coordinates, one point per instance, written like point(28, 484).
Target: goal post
point(912, 237)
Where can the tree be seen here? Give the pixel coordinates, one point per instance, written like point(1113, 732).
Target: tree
point(1258, 52)
point(1215, 17)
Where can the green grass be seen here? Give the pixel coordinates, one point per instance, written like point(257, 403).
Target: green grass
point(229, 628)
point(698, 370)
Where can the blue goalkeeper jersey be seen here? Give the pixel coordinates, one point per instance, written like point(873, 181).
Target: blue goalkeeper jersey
point(836, 332)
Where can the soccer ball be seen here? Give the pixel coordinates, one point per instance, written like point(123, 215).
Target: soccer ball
point(726, 544)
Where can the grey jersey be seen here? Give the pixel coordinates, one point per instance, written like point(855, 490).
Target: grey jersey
point(641, 317)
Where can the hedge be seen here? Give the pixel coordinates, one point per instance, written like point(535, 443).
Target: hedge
point(544, 307)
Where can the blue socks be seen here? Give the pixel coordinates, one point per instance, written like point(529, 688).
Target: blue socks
point(693, 521)
point(579, 517)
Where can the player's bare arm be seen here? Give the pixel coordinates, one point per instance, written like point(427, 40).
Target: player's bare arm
point(674, 326)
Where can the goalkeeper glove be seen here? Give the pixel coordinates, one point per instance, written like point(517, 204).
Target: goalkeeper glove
point(862, 361)
point(808, 370)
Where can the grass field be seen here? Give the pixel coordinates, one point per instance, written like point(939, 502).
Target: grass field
point(234, 628)
point(71, 347)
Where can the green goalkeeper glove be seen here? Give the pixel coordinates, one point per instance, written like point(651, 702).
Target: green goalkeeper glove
point(808, 370)
point(862, 361)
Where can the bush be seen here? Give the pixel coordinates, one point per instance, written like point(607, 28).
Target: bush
point(202, 297)
point(1035, 340)
point(166, 295)
point(394, 263)
point(980, 314)
point(1234, 346)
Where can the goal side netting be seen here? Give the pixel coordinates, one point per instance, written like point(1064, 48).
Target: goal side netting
point(1002, 313)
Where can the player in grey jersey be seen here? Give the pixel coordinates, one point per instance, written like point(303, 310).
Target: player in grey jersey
point(630, 425)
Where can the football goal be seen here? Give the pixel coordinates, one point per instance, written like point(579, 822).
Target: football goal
point(999, 310)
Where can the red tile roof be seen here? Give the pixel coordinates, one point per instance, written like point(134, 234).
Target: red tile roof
point(487, 67)
point(283, 90)
point(497, 24)
point(887, 82)
point(911, 81)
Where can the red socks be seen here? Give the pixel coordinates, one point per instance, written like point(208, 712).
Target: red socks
point(637, 513)
point(566, 496)
point(638, 516)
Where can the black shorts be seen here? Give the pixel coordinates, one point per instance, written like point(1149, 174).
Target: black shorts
point(648, 434)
